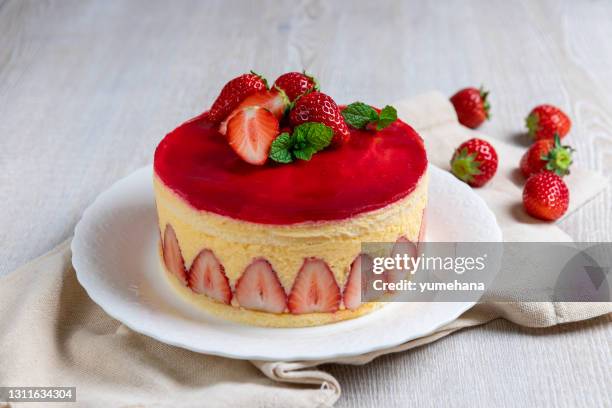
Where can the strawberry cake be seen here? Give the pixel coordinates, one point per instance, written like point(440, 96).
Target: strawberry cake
point(265, 200)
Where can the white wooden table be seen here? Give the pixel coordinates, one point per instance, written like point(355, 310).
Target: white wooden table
point(88, 88)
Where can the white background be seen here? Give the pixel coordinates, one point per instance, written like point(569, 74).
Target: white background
point(88, 88)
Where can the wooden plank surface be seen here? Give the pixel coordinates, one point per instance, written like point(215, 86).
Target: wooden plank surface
point(88, 88)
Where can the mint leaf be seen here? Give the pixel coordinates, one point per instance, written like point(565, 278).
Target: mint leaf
point(387, 116)
point(280, 151)
point(306, 140)
point(309, 138)
point(305, 153)
point(315, 135)
point(358, 115)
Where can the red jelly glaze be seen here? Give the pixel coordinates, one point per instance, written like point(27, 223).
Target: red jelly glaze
point(369, 172)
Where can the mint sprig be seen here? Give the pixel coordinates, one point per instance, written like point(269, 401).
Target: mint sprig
point(306, 140)
point(361, 116)
point(280, 151)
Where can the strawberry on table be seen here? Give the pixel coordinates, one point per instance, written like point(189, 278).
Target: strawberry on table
point(471, 106)
point(296, 84)
point(544, 121)
point(314, 290)
point(234, 92)
point(321, 108)
point(545, 196)
point(547, 154)
point(250, 132)
point(474, 162)
point(259, 288)
point(207, 277)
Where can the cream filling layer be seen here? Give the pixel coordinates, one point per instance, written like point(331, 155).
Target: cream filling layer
point(236, 243)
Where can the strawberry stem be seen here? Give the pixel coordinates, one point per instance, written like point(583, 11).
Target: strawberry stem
point(485, 102)
point(315, 81)
point(532, 123)
point(265, 81)
point(559, 158)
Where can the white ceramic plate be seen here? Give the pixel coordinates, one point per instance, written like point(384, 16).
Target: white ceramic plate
point(114, 252)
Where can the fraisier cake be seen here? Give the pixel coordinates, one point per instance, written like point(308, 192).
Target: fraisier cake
point(265, 199)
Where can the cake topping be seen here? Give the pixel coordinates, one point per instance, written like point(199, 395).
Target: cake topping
point(365, 174)
point(250, 132)
point(250, 115)
point(361, 116)
point(321, 108)
point(306, 140)
point(234, 92)
point(296, 84)
point(273, 100)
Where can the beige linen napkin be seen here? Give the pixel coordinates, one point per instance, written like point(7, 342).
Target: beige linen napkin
point(52, 334)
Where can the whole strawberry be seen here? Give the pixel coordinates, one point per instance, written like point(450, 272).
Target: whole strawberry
point(234, 92)
point(471, 106)
point(544, 121)
point(296, 84)
point(321, 108)
point(545, 196)
point(547, 154)
point(474, 162)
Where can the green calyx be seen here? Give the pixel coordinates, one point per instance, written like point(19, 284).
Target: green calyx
point(464, 165)
point(314, 80)
point(485, 102)
point(306, 140)
point(286, 102)
point(360, 116)
point(559, 158)
point(533, 124)
point(265, 81)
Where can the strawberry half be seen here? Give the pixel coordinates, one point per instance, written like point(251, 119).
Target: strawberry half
point(234, 92)
point(423, 226)
point(172, 255)
point(314, 289)
point(352, 289)
point(273, 100)
point(207, 277)
point(296, 84)
point(321, 108)
point(403, 246)
point(259, 288)
point(250, 132)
